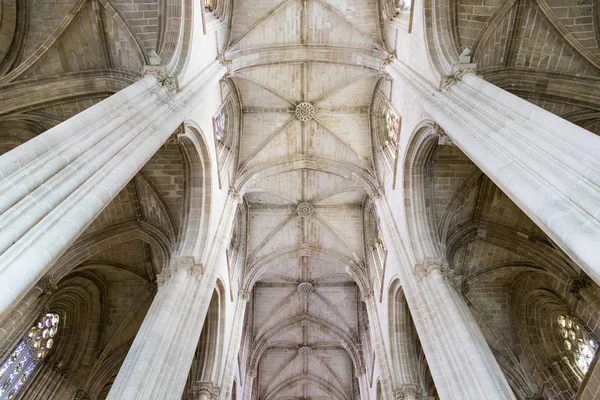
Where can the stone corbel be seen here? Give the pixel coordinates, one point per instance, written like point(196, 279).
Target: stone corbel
point(458, 71)
point(161, 74)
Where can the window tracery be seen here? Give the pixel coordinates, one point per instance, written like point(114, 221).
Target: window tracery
point(577, 341)
point(27, 355)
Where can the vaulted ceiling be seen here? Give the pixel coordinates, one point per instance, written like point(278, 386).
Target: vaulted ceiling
point(306, 161)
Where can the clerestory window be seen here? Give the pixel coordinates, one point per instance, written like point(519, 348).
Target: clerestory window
point(27, 356)
point(577, 341)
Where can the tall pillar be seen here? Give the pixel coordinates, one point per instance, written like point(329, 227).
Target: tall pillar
point(53, 186)
point(548, 166)
point(461, 363)
point(234, 344)
point(381, 355)
point(159, 360)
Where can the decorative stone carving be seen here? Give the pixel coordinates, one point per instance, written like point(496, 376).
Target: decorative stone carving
point(177, 264)
point(305, 351)
point(47, 285)
point(305, 111)
point(430, 264)
point(305, 209)
point(407, 391)
point(161, 74)
point(366, 296)
point(205, 389)
point(235, 194)
point(244, 295)
point(578, 284)
point(458, 71)
point(81, 395)
point(360, 371)
point(305, 287)
point(443, 138)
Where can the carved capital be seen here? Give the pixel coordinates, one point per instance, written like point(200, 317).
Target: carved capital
point(251, 372)
point(407, 391)
point(578, 284)
point(458, 72)
point(443, 138)
point(235, 194)
point(162, 75)
point(81, 395)
point(244, 295)
point(172, 83)
point(360, 371)
point(428, 265)
point(205, 389)
point(367, 295)
point(387, 61)
point(47, 285)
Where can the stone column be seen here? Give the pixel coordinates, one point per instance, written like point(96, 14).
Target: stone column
point(53, 186)
point(234, 344)
point(381, 355)
point(161, 355)
point(548, 166)
point(461, 362)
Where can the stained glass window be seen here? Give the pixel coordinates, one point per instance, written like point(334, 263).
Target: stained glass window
point(220, 125)
point(392, 123)
point(29, 353)
point(208, 4)
point(576, 340)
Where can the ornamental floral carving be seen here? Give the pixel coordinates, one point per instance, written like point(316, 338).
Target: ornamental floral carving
point(305, 111)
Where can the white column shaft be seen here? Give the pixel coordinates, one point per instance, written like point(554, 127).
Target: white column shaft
point(460, 361)
point(158, 363)
point(548, 166)
point(58, 183)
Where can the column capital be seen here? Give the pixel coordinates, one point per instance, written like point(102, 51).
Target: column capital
point(47, 285)
point(205, 389)
point(235, 194)
point(458, 71)
point(179, 263)
point(578, 284)
point(443, 138)
point(360, 371)
point(407, 391)
point(244, 295)
point(162, 75)
point(81, 395)
point(367, 295)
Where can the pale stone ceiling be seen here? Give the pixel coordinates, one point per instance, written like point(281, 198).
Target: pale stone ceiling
point(286, 249)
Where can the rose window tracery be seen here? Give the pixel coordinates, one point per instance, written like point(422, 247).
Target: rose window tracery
point(577, 341)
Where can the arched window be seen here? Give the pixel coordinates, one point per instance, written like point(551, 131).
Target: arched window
point(29, 353)
point(577, 341)
point(392, 125)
